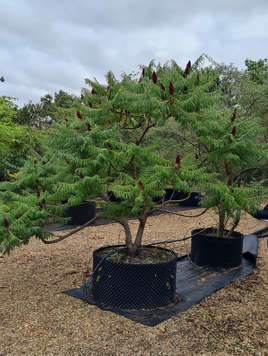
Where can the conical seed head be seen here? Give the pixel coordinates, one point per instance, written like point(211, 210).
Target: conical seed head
point(178, 160)
point(234, 131)
point(154, 78)
point(171, 88)
point(6, 223)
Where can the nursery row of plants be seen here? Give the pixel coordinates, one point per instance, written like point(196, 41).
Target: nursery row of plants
point(165, 127)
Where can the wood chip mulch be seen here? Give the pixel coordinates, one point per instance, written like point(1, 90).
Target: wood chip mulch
point(37, 319)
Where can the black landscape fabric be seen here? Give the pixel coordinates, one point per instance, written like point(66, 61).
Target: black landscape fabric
point(193, 283)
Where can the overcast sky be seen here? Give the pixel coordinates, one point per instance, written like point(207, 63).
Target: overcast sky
point(48, 45)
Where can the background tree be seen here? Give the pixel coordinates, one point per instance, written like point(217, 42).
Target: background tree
point(42, 114)
point(16, 141)
point(228, 145)
point(8, 109)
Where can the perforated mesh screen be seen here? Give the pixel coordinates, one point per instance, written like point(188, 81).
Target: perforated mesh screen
point(133, 286)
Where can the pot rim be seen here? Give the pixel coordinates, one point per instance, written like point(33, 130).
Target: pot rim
point(175, 255)
point(204, 231)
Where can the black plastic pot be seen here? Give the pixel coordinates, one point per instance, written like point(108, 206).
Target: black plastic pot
point(134, 286)
point(219, 252)
point(113, 198)
point(81, 213)
point(193, 200)
point(261, 214)
point(172, 194)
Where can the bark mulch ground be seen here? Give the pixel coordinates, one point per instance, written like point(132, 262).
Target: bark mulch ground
point(37, 319)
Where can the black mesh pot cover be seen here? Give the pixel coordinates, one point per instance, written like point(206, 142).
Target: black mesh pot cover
point(193, 283)
point(134, 286)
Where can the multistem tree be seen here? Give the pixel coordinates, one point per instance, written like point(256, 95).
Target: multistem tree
point(91, 154)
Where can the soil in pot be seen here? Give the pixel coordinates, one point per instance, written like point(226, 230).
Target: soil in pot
point(207, 249)
point(81, 213)
point(146, 282)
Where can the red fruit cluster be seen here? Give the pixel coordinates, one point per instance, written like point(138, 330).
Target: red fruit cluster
point(187, 69)
point(88, 127)
point(42, 204)
point(178, 161)
point(38, 194)
point(137, 143)
point(81, 176)
point(171, 88)
point(229, 181)
point(154, 78)
point(78, 114)
point(6, 223)
point(93, 91)
point(234, 131)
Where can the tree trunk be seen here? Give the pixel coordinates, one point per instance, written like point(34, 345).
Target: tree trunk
point(128, 237)
point(235, 223)
point(221, 224)
point(142, 219)
point(132, 248)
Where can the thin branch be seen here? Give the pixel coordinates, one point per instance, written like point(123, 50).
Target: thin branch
point(172, 201)
point(235, 223)
point(145, 131)
point(131, 128)
point(249, 170)
point(121, 113)
point(61, 238)
point(187, 216)
point(140, 139)
point(210, 332)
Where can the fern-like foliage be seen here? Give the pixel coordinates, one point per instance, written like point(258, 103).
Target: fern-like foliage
point(102, 149)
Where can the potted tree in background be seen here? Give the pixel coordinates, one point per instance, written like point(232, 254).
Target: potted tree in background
point(101, 150)
point(228, 145)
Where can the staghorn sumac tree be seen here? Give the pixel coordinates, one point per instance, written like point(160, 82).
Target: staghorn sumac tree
point(101, 149)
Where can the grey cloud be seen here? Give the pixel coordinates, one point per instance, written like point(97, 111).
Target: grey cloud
point(50, 45)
